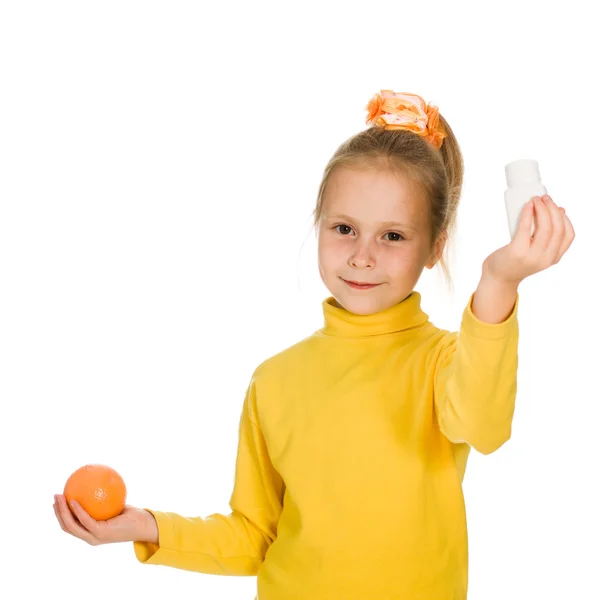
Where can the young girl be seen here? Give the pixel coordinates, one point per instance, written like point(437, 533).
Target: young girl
point(353, 442)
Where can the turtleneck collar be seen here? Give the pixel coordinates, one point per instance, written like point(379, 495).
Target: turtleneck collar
point(405, 315)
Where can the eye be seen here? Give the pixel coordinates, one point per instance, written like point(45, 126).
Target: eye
point(346, 226)
point(395, 233)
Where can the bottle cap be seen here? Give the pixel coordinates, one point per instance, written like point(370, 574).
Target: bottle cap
point(522, 171)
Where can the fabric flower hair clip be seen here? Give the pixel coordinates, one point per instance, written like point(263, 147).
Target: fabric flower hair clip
point(401, 110)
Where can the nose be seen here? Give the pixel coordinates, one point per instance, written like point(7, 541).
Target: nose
point(362, 258)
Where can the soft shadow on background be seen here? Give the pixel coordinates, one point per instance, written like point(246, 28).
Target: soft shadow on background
point(160, 163)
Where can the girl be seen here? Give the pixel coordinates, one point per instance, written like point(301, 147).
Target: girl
point(353, 442)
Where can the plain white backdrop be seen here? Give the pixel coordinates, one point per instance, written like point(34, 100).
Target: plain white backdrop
point(159, 162)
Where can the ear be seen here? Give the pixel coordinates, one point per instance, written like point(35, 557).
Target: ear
point(437, 250)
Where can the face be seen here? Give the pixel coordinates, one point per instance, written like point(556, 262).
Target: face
point(374, 228)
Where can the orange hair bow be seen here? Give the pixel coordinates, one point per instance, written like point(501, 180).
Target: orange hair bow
point(391, 110)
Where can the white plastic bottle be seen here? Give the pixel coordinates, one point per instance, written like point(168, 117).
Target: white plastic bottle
point(524, 182)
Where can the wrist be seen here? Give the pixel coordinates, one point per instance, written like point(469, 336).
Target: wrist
point(493, 281)
point(494, 300)
point(148, 529)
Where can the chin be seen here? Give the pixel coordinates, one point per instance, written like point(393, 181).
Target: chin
point(362, 302)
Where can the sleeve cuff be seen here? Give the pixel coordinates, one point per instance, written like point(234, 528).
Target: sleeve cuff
point(149, 553)
point(474, 326)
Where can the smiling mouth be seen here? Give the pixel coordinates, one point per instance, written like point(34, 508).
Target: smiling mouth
point(360, 285)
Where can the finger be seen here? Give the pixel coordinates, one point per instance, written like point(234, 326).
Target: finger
point(59, 518)
point(73, 527)
point(522, 237)
point(85, 519)
point(59, 515)
point(58, 510)
point(543, 226)
point(569, 235)
point(558, 230)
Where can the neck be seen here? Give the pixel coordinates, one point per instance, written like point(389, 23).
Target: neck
point(402, 316)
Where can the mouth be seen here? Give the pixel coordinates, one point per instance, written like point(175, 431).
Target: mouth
point(360, 285)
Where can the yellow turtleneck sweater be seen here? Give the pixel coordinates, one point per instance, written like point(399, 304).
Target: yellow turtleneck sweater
point(352, 450)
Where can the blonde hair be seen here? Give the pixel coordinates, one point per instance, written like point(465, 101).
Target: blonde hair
point(437, 173)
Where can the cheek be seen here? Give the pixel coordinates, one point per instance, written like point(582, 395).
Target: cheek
point(322, 258)
point(399, 258)
point(329, 251)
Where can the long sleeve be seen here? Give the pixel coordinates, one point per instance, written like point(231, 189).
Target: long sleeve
point(475, 381)
point(233, 544)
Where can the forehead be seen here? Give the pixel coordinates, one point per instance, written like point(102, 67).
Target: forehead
point(373, 194)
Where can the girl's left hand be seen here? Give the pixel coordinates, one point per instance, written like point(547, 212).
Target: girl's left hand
point(526, 254)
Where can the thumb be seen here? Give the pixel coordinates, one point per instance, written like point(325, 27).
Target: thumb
point(523, 233)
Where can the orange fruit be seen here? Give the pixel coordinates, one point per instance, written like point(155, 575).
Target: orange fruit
point(99, 489)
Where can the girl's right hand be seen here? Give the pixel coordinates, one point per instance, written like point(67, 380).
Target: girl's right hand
point(132, 525)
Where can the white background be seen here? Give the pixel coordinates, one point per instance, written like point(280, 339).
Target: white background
point(159, 164)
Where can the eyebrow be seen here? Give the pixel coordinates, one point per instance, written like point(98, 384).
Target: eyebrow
point(383, 224)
